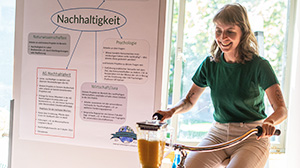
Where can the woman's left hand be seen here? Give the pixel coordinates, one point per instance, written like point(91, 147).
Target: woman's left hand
point(268, 129)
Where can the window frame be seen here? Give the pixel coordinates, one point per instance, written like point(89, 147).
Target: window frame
point(277, 147)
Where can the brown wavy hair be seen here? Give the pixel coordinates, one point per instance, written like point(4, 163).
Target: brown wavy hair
point(236, 14)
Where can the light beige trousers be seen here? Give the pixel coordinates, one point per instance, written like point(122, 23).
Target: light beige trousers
point(251, 153)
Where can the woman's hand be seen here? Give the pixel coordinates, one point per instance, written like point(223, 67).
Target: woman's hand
point(167, 114)
point(280, 111)
point(268, 129)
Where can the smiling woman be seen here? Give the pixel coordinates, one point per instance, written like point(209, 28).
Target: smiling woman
point(192, 34)
point(228, 38)
point(233, 35)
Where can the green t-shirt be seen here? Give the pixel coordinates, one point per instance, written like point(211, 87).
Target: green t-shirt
point(237, 90)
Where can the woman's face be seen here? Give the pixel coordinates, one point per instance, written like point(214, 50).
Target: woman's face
point(228, 37)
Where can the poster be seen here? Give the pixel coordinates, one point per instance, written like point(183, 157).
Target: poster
point(88, 71)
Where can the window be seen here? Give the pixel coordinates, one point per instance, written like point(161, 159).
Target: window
point(7, 27)
point(191, 35)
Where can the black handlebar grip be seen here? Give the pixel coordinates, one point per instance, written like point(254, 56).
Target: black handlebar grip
point(277, 132)
point(259, 131)
point(157, 116)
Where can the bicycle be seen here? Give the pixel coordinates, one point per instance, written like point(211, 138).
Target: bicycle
point(183, 148)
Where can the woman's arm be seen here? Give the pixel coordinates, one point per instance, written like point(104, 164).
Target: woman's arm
point(280, 111)
point(184, 104)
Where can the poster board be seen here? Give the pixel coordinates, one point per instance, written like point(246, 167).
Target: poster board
point(85, 73)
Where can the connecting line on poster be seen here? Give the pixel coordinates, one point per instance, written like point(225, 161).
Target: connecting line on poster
point(101, 4)
point(55, 30)
point(119, 33)
point(60, 5)
point(74, 50)
point(95, 57)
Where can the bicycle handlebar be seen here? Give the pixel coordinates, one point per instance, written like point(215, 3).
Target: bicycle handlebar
point(210, 148)
point(260, 130)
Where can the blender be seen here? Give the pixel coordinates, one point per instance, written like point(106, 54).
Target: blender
point(151, 137)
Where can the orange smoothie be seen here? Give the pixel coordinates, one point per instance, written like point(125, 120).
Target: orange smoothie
point(150, 153)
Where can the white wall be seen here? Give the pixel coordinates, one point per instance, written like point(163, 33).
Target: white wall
point(293, 124)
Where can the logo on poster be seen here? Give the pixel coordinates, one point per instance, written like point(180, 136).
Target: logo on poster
point(125, 134)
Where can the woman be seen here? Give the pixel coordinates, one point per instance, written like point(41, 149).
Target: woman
point(238, 79)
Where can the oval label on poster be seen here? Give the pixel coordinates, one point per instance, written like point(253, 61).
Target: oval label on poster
point(88, 19)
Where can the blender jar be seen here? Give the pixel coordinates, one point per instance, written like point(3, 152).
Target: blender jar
point(151, 136)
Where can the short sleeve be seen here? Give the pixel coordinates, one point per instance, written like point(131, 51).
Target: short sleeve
point(200, 76)
point(267, 75)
